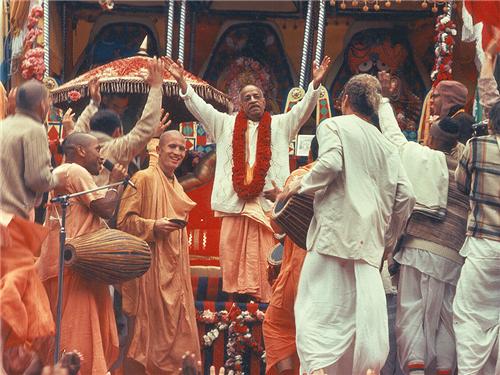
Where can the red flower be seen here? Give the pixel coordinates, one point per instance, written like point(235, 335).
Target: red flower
point(74, 95)
point(235, 311)
point(252, 308)
point(241, 328)
point(263, 157)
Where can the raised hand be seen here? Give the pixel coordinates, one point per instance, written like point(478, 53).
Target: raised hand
point(155, 72)
point(68, 122)
point(388, 85)
point(222, 371)
point(189, 365)
point(95, 91)
point(320, 71)
point(177, 71)
point(163, 124)
point(494, 45)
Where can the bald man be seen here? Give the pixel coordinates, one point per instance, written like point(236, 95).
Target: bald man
point(88, 322)
point(160, 302)
point(25, 174)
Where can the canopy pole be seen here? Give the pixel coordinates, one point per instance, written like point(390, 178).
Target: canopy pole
point(170, 28)
point(307, 33)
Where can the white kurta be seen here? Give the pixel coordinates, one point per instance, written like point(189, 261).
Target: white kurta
point(476, 308)
point(341, 316)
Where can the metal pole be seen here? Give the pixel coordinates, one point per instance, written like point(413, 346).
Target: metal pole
point(321, 31)
point(307, 32)
point(46, 38)
point(182, 28)
point(170, 28)
point(62, 240)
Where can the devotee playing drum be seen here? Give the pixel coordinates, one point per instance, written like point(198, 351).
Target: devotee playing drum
point(106, 124)
point(279, 324)
point(477, 302)
point(25, 175)
point(88, 322)
point(252, 151)
point(429, 258)
point(362, 201)
point(161, 301)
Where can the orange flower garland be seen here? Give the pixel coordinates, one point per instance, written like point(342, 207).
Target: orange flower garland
point(262, 159)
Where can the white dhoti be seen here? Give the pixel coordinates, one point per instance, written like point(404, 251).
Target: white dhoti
point(424, 319)
point(476, 308)
point(341, 316)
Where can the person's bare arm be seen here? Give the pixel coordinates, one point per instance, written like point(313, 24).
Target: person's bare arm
point(105, 207)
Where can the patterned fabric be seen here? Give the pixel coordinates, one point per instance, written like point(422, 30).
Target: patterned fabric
point(478, 176)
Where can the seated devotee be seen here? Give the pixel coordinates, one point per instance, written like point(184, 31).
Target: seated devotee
point(477, 302)
point(361, 203)
point(106, 123)
point(252, 151)
point(25, 175)
point(88, 323)
point(160, 302)
point(429, 255)
point(279, 324)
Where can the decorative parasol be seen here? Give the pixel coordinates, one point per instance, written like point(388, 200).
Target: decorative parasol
point(127, 76)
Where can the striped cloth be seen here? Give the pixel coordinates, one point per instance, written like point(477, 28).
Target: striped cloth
point(478, 176)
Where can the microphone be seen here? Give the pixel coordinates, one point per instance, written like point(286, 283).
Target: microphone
point(109, 166)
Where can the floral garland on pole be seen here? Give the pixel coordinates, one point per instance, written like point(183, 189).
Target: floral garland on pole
point(262, 158)
point(32, 65)
point(239, 337)
point(443, 50)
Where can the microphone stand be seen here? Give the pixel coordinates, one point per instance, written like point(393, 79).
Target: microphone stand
point(63, 200)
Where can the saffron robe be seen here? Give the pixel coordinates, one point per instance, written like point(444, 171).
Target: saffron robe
point(88, 321)
point(279, 324)
point(25, 308)
point(162, 299)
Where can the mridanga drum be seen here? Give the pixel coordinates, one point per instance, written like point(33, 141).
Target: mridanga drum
point(294, 217)
point(108, 255)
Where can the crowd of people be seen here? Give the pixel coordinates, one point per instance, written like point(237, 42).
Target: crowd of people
point(389, 215)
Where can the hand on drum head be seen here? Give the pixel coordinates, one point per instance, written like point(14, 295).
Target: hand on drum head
point(164, 226)
point(288, 191)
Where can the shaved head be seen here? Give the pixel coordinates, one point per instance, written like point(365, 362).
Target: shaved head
point(171, 151)
point(76, 139)
point(168, 135)
point(250, 87)
point(30, 94)
point(83, 149)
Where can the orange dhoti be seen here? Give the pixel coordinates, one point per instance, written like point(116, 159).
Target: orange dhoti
point(88, 322)
point(245, 243)
point(279, 324)
point(25, 309)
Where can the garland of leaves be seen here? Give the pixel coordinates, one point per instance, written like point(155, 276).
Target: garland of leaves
point(262, 159)
point(443, 49)
point(239, 337)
